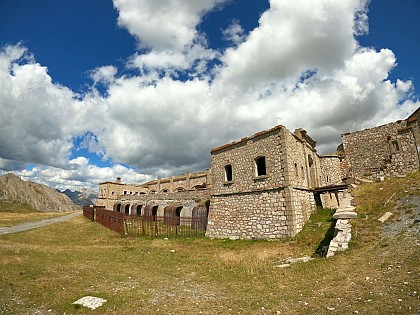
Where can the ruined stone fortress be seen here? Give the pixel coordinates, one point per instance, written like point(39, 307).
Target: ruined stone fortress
point(267, 185)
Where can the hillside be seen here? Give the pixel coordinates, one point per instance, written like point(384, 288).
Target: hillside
point(40, 197)
point(82, 197)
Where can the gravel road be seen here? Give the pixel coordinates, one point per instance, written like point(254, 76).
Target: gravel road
point(35, 224)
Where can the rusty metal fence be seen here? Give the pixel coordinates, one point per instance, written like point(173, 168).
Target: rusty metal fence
point(161, 227)
point(89, 213)
point(150, 226)
point(111, 219)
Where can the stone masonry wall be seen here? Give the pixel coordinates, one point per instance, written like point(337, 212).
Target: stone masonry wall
point(405, 160)
point(241, 156)
point(301, 173)
point(330, 170)
point(187, 199)
point(256, 215)
point(301, 207)
point(176, 183)
point(370, 151)
point(249, 206)
point(330, 200)
point(272, 206)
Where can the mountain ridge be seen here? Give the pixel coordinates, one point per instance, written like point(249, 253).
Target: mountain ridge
point(39, 196)
point(81, 197)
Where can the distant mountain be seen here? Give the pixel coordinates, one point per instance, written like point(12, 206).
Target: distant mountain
point(82, 197)
point(38, 196)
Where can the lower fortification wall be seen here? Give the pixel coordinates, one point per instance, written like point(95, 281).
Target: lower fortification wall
point(253, 215)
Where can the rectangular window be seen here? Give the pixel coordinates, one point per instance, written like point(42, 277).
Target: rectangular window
point(260, 166)
point(228, 173)
point(396, 145)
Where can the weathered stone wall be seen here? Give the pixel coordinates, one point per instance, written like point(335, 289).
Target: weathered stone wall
point(296, 168)
point(198, 195)
point(387, 150)
point(241, 156)
point(187, 199)
point(300, 205)
point(188, 181)
point(271, 206)
point(331, 172)
point(414, 122)
point(405, 160)
point(252, 215)
point(330, 200)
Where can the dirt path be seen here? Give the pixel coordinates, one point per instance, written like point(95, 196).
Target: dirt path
point(35, 224)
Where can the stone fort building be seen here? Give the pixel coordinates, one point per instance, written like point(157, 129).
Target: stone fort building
point(267, 185)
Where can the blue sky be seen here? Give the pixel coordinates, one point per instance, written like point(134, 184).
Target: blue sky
point(92, 90)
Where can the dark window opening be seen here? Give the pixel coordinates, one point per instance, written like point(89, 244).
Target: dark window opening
point(296, 170)
point(260, 166)
point(310, 160)
point(395, 145)
point(228, 173)
point(127, 209)
point(118, 209)
point(138, 209)
point(154, 213)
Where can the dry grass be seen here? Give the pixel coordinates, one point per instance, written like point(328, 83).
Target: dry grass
point(9, 218)
point(45, 270)
point(13, 212)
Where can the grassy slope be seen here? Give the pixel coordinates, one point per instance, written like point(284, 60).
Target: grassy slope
point(14, 212)
point(48, 269)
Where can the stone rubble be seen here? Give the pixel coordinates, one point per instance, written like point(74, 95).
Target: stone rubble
point(342, 235)
point(90, 302)
point(385, 217)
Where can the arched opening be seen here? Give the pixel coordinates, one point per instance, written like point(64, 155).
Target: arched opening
point(127, 209)
point(199, 187)
point(138, 209)
point(172, 215)
point(164, 190)
point(199, 218)
point(150, 212)
point(179, 189)
point(117, 207)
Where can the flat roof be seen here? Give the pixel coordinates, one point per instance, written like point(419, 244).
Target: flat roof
point(247, 138)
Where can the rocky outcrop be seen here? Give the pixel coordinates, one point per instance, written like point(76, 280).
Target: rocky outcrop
point(41, 197)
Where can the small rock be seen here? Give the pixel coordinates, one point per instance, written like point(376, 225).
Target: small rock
point(330, 308)
point(282, 266)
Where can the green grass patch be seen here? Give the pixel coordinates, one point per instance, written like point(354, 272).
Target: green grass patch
point(16, 207)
